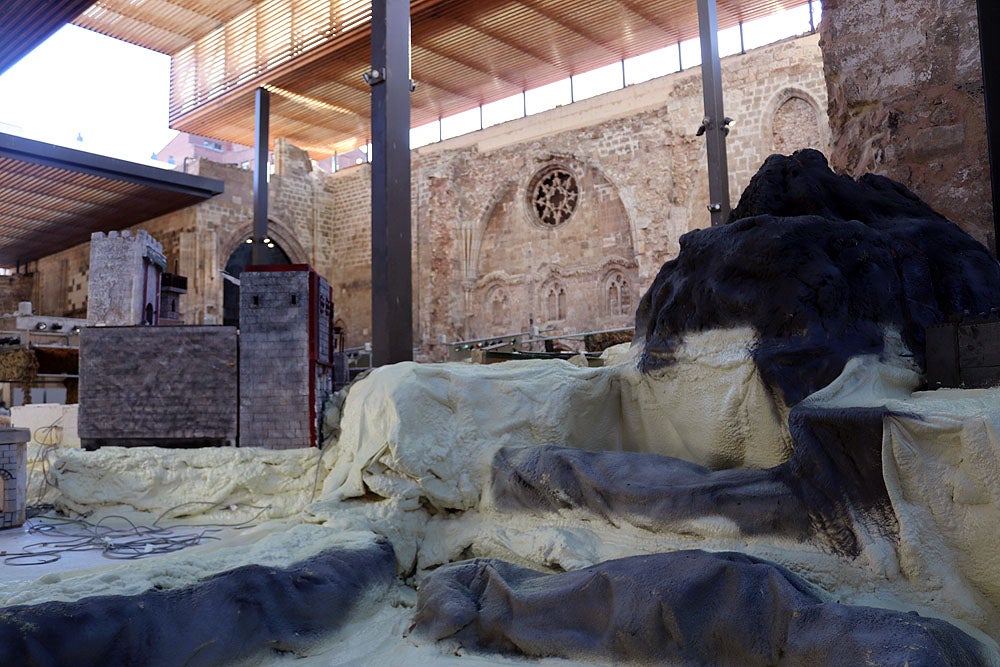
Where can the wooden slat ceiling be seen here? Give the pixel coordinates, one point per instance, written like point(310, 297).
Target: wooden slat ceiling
point(311, 53)
point(54, 198)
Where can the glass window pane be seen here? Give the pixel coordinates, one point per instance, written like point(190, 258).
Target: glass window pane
point(598, 81)
point(691, 53)
point(424, 134)
point(460, 123)
point(503, 110)
point(547, 97)
point(651, 65)
point(776, 27)
point(729, 41)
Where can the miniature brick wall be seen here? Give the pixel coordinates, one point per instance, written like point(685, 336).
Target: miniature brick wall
point(158, 385)
point(13, 476)
point(275, 366)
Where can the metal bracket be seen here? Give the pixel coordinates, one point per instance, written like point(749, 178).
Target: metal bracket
point(374, 76)
point(706, 124)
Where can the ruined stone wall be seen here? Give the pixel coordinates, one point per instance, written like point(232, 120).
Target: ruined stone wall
point(477, 247)
point(15, 289)
point(906, 100)
point(482, 265)
point(61, 283)
point(344, 252)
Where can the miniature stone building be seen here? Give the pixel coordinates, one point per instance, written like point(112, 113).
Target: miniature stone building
point(172, 287)
point(13, 475)
point(125, 274)
point(286, 355)
point(158, 386)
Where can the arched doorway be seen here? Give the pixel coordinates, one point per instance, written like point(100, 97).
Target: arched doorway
point(271, 253)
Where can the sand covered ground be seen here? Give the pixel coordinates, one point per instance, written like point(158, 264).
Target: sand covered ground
point(414, 461)
point(757, 479)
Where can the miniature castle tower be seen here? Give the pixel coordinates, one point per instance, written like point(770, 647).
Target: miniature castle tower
point(13, 475)
point(125, 274)
point(286, 355)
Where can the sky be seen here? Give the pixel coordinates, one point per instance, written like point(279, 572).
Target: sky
point(79, 83)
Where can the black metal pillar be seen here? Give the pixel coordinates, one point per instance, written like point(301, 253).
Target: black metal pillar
point(989, 50)
point(715, 126)
point(262, 122)
point(392, 278)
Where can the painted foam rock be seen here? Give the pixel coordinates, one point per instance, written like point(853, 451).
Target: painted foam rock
point(823, 268)
point(682, 608)
point(832, 483)
point(245, 613)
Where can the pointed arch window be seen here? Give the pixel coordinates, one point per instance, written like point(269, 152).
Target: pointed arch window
point(618, 295)
point(555, 302)
point(499, 305)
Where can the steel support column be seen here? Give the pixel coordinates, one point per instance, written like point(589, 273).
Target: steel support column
point(989, 50)
point(392, 278)
point(262, 122)
point(715, 125)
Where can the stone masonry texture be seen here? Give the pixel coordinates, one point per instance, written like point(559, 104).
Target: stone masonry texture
point(117, 277)
point(906, 101)
point(167, 383)
point(483, 265)
point(274, 359)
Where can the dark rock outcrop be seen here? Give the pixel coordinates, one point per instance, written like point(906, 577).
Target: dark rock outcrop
point(819, 265)
point(832, 482)
point(681, 608)
point(230, 617)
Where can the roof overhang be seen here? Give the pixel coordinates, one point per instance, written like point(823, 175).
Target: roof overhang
point(53, 198)
point(311, 54)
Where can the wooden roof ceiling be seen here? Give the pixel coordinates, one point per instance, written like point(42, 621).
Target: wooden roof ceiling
point(311, 53)
point(54, 198)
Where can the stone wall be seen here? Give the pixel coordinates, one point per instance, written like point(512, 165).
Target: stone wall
point(906, 100)
point(482, 265)
point(158, 385)
point(14, 289)
point(643, 184)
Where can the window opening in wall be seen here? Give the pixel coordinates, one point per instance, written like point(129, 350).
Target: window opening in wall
point(498, 303)
point(619, 296)
point(553, 195)
point(555, 303)
point(795, 125)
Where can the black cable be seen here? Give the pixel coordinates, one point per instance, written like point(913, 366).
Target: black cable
point(130, 542)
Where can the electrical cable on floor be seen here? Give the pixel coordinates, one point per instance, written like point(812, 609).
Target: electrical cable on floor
point(48, 439)
point(127, 542)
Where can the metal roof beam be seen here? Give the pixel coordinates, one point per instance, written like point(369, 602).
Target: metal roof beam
point(57, 157)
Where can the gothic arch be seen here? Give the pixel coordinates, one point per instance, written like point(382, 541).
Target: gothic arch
point(276, 230)
point(794, 110)
point(497, 305)
point(617, 289)
point(472, 235)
